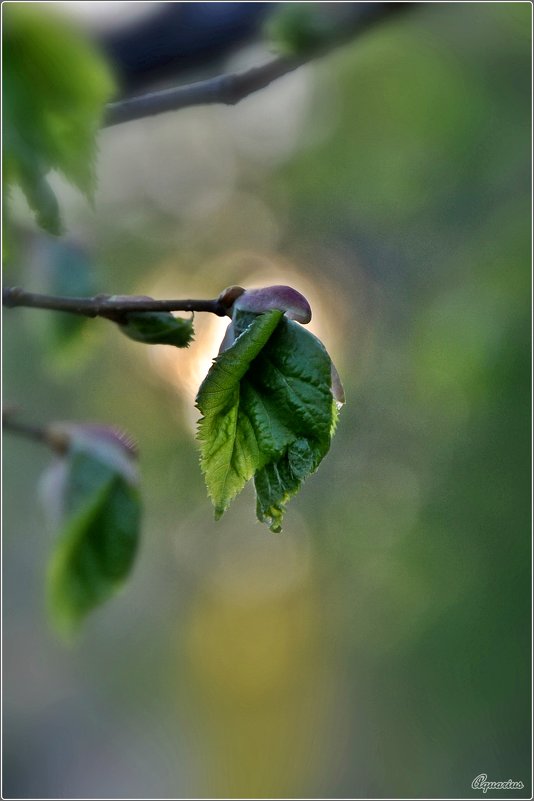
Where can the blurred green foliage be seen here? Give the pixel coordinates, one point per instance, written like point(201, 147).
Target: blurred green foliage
point(55, 87)
point(93, 495)
point(298, 28)
point(60, 266)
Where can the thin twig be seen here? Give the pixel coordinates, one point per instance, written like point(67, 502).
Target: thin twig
point(49, 435)
point(229, 89)
point(226, 89)
point(26, 430)
point(108, 306)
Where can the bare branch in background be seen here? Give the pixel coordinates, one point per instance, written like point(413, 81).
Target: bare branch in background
point(229, 89)
point(226, 89)
point(37, 433)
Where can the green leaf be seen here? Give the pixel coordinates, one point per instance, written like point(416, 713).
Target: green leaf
point(41, 199)
point(55, 87)
point(268, 413)
point(100, 533)
point(155, 328)
point(229, 449)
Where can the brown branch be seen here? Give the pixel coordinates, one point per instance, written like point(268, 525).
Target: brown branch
point(26, 430)
point(111, 307)
point(46, 434)
point(229, 89)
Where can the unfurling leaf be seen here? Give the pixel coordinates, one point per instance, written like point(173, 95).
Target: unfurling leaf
point(230, 453)
point(55, 88)
point(158, 328)
point(268, 407)
point(91, 493)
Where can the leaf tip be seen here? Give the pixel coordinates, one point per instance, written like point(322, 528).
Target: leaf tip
point(63, 618)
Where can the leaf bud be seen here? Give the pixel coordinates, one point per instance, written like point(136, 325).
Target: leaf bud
point(106, 447)
point(285, 298)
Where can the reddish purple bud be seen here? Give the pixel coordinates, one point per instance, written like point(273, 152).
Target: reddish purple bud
point(285, 298)
point(106, 443)
point(96, 432)
point(103, 444)
point(110, 434)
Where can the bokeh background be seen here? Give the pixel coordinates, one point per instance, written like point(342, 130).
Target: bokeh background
point(379, 647)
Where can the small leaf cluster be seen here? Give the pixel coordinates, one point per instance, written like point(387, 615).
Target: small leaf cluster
point(268, 412)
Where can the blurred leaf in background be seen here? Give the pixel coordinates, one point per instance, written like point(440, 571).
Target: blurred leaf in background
point(91, 494)
point(64, 266)
point(299, 28)
point(54, 90)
